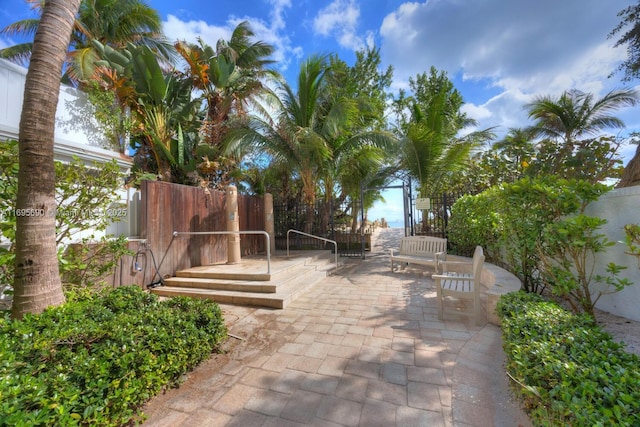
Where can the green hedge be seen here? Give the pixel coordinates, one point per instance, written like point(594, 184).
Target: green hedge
point(569, 371)
point(95, 361)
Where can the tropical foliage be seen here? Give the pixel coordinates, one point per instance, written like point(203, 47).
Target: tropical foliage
point(430, 123)
point(329, 132)
point(110, 22)
point(567, 139)
point(566, 369)
point(98, 358)
point(570, 126)
point(537, 229)
point(227, 117)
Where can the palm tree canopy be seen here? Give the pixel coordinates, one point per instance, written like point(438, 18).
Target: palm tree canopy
point(575, 113)
point(230, 76)
point(110, 22)
point(430, 123)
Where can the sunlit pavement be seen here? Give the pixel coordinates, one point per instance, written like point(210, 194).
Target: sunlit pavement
point(363, 347)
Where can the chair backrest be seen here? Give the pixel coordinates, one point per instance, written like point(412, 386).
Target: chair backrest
point(478, 261)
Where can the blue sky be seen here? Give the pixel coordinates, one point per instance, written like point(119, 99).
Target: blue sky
point(500, 54)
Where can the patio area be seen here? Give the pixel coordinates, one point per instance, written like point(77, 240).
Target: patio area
point(363, 347)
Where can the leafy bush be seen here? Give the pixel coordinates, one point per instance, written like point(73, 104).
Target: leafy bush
point(475, 221)
point(96, 359)
point(569, 371)
point(567, 255)
point(86, 198)
point(509, 220)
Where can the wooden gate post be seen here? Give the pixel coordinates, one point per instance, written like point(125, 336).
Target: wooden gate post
point(269, 225)
point(233, 224)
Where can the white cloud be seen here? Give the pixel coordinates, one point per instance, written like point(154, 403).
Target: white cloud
point(190, 31)
point(370, 39)
point(476, 112)
point(522, 48)
point(494, 38)
point(507, 111)
point(339, 15)
point(267, 32)
point(340, 20)
point(277, 14)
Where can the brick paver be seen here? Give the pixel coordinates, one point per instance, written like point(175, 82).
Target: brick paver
point(363, 347)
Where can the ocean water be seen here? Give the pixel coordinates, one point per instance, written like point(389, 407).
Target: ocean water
point(396, 224)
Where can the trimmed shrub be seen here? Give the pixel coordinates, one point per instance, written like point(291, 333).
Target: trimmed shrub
point(95, 360)
point(509, 221)
point(569, 371)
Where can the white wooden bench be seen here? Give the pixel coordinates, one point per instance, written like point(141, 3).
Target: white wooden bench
point(422, 250)
point(461, 280)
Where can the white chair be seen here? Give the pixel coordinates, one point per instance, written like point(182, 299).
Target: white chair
point(461, 280)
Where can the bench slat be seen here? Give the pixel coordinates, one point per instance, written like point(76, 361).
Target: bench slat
point(458, 285)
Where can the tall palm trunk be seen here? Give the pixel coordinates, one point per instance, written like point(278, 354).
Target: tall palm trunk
point(37, 282)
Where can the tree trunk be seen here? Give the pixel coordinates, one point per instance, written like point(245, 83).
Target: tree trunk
point(631, 174)
point(37, 282)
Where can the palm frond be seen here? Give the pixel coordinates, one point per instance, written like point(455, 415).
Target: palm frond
point(19, 53)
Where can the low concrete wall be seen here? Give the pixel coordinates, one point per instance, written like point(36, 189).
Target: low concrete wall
point(497, 281)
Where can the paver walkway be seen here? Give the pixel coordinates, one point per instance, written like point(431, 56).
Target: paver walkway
point(362, 348)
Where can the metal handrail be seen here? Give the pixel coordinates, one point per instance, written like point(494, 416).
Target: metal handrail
point(268, 239)
point(335, 244)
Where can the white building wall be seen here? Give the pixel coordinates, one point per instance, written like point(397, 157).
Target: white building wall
point(12, 79)
point(76, 132)
point(619, 207)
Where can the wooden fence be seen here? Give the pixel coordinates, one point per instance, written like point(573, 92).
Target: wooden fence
point(167, 207)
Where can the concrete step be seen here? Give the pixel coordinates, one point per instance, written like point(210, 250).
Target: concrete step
point(279, 299)
point(255, 268)
point(221, 284)
point(290, 277)
point(213, 281)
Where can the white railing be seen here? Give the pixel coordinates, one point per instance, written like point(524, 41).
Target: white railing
point(264, 233)
point(335, 244)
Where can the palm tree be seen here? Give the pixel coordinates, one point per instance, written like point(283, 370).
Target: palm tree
point(576, 114)
point(430, 122)
point(230, 76)
point(568, 120)
point(360, 146)
point(297, 135)
point(110, 22)
point(37, 282)
point(430, 150)
point(231, 79)
point(313, 132)
point(161, 105)
point(318, 134)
